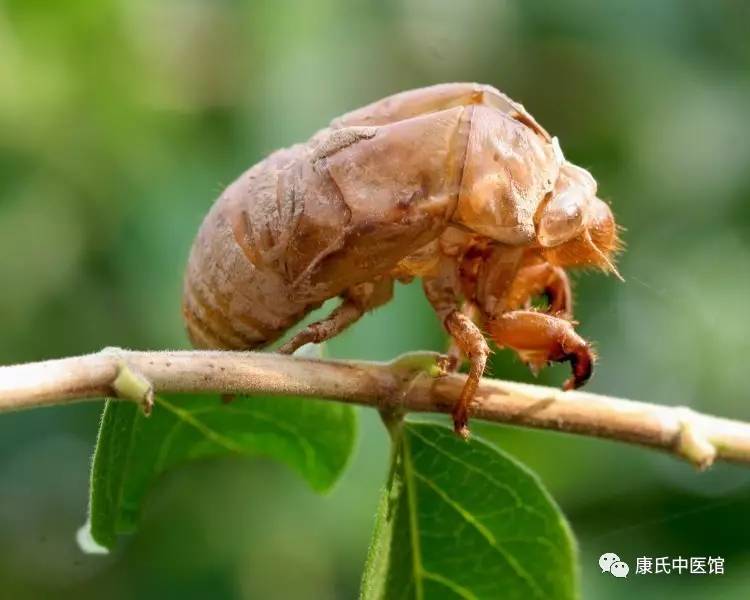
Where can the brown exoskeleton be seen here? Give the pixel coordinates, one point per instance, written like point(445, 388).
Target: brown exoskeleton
point(455, 183)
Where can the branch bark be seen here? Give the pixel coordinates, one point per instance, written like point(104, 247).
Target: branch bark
point(407, 384)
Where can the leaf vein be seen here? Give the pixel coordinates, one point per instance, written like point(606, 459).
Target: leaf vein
point(411, 500)
point(209, 433)
point(520, 504)
point(450, 584)
point(167, 441)
point(484, 532)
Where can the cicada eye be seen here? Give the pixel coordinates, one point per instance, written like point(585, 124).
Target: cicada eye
point(562, 219)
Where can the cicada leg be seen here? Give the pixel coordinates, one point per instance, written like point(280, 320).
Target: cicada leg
point(546, 279)
point(356, 301)
point(539, 338)
point(455, 354)
point(443, 292)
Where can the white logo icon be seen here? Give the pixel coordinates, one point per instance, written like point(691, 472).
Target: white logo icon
point(606, 560)
point(610, 563)
point(619, 569)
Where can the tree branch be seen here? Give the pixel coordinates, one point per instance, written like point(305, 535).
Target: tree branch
point(406, 384)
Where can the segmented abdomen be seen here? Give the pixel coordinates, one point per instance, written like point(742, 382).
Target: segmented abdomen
point(237, 292)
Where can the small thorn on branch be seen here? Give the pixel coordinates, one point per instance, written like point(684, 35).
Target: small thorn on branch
point(414, 363)
point(692, 443)
point(131, 385)
point(409, 368)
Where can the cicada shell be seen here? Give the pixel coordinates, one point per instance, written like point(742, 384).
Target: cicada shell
point(455, 184)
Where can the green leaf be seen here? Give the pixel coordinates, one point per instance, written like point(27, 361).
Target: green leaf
point(313, 437)
point(464, 520)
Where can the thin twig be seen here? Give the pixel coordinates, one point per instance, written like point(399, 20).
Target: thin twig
point(404, 385)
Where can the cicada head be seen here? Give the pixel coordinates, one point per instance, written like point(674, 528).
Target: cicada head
point(574, 227)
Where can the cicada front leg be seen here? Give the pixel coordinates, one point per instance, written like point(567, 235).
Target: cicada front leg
point(539, 338)
point(537, 279)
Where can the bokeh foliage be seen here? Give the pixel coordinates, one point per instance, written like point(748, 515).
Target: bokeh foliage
point(121, 120)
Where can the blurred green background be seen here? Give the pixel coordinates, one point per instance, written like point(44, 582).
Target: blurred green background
point(122, 120)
